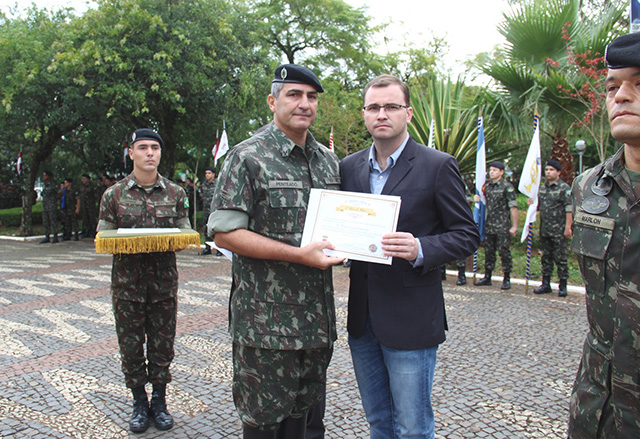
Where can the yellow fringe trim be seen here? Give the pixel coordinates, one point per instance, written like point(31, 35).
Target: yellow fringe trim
point(108, 242)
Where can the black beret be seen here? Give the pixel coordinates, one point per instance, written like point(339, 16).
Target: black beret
point(209, 168)
point(294, 73)
point(146, 134)
point(498, 165)
point(624, 51)
point(556, 164)
point(87, 176)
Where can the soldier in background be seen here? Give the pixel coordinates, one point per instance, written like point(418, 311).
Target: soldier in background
point(144, 287)
point(556, 218)
point(282, 316)
point(86, 206)
point(50, 197)
point(68, 207)
point(605, 402)
point(208, 187)
point(502, 212)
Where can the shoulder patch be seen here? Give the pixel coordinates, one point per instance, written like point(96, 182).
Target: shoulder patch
point(186, 202)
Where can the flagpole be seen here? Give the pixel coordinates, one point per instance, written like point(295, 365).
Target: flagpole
point(529, 245)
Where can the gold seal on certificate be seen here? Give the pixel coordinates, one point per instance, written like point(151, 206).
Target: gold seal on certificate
point(353, 222)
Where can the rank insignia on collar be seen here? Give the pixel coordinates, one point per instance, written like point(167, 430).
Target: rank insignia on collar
point(595, 204)
point(283, 73)
point(602, 187)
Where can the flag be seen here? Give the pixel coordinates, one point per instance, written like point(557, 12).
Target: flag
point(635, 16)
point(19, 163)
point(331, 140)
point(433, 126)
point(531, 175)
point(214, 150)
point(126, 154)
point(480, 207)
point(223, 147)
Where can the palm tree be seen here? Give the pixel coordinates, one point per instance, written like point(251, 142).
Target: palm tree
point(539, 34)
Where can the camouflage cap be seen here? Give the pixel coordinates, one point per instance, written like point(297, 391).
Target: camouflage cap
point(624, 51)
point(293, 73)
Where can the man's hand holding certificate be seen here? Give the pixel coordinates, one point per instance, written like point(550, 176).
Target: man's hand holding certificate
point(353, 222)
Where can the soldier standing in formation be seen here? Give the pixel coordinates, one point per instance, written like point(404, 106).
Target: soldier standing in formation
point(500, 226)
point(556, 218)
point(144, 287)
point(282, 316)
point(605, 402)
point(50, 197)
point(208, 188)
point(68, 207)
point(86, 206)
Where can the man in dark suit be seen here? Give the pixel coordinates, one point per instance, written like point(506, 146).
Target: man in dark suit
point(396, 312)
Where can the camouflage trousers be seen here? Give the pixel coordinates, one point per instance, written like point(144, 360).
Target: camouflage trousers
point(554, 250)
point(88, 219)
point(69, 221)
point(50, 222)
point(157, 322)
point(271, 385)
point(501, 243)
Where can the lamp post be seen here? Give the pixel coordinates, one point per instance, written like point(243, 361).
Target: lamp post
point(581, 145)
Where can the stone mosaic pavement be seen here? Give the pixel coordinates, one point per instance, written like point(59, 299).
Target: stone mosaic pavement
point(505, 371)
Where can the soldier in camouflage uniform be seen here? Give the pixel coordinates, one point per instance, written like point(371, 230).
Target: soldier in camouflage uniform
point(86, 206)
point(208, 187)
point(50, 197)
point(68, 207)
point(555, 227)
point(605, 402)
point(282, 316)
point(502, 212)
point(144, 287)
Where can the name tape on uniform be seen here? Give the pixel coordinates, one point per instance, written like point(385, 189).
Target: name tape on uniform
point(595, 221)
point(285, 184)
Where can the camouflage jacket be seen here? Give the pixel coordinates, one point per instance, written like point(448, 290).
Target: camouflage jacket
point(49, 196)
point(501, 197)
point(555, 202)
point(606, 237)
point(87, 196)
point(207, 189)
point(274, 304)
point(71, 197)
point(148, 276)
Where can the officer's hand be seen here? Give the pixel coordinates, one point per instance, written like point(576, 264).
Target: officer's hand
point(529, 201)
point(512, 231)
point(400, 245)
point(313, 255)
point(476, 198)
point(568, 233)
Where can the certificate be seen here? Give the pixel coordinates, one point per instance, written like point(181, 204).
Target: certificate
point(353, 222)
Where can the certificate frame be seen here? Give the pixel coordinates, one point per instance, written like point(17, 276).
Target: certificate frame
point(353, 222)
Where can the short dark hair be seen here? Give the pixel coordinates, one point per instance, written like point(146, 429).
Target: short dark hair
point(385, 81)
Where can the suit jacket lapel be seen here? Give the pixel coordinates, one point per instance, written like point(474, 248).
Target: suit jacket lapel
point(402, 167)
point(363, 173)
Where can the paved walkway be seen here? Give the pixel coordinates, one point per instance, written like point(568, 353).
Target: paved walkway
point(505, 371)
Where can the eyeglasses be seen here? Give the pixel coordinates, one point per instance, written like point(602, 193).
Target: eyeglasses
point(389, 108)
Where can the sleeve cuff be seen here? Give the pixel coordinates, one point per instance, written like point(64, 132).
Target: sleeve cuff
point(227, 221)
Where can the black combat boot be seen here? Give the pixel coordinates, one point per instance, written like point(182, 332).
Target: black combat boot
point(486, 280)
point(562, 289)
point(66, 236)
point(462, 277)
point(45, 240)
point(158, 408)
point(55, 239)
point(545, 288)
point(292, 428)
point(506, 281)
point(206, 251)
point(256, 433)
point(76, 237)
point(139, 421)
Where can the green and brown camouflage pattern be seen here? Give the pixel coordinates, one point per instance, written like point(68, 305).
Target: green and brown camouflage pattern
point(271, 385)
point(501, 197)
point(500, 242)
point(147, 280)
point(69, 217)
point(87, 196)
point(207, 189)
point(274, 304)
point(50, 195)
point(554, 203)
point(605, 402)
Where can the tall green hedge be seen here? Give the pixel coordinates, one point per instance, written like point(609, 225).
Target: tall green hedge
point(11, 217)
